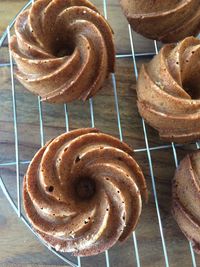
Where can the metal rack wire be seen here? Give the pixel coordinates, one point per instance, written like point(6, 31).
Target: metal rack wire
point(147, 149)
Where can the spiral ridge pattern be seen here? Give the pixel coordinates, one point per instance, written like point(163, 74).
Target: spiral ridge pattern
point(83, 192)
point(186, 198)
point(63, 49)
point(167, 21)
point(168, 91)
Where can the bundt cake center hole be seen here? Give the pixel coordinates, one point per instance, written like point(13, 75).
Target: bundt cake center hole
point(85, 188)
point(62, 49)
point(193, 89)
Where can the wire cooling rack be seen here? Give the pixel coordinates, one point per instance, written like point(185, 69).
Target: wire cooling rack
point(147, 149)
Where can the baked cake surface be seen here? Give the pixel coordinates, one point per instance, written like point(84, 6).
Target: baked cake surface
point(164, 20)
point(186, 198)
point(83, 192)
point(63, 49)
point(168, 91)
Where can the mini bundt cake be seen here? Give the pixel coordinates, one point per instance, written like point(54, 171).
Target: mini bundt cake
point(83, 192)
point(164, 20)
point(168, 91)
point(63, 49)
point(186, 198)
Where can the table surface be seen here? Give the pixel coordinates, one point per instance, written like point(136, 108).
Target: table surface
point(18, 246)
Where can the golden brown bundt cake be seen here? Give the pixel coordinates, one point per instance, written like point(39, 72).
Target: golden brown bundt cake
point(83, 192)
point(63, 49)
point(168, 91)
point(186, 198)
point(164, 20)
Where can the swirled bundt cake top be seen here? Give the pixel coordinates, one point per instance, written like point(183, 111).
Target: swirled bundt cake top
point(186, 198)
point(63, 49)
point(167, 21)
point(83, 192)
point(168, 91)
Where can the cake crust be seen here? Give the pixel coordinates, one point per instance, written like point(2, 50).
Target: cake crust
point(83, 192)
point(186, 198)
point(167, 21)
point(168, 91)
point(64, 50)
